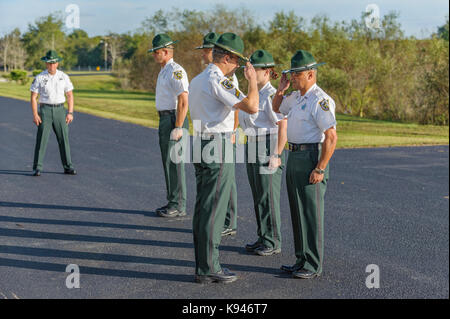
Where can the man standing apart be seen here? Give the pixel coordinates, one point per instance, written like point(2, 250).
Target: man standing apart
point(206, 48)
point(172, 105)
point(311, 133)
point(213, 98)
point(51, 85)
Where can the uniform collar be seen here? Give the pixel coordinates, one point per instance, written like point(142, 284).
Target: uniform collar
point(215, 68)
point(309, 91)
point(168, 62)
point(265, 87)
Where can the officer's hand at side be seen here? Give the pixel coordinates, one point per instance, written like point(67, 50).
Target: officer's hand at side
point(176, 134)
point(284, 83)
point(69, 118)
point(315, 177)
point(249, 72)
point(274, 162)
point(37, 120)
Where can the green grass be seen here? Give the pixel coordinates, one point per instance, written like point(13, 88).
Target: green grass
point(98, 95)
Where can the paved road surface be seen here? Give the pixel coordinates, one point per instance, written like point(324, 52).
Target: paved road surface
point(386, 206)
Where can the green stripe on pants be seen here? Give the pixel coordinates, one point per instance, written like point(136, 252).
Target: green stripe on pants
point(174, 174)
point(231, 218)
point(306, 202)
point(52, 118)
point(266, 190)
point(214, 183)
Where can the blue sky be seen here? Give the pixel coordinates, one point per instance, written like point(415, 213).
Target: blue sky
point(418, 18)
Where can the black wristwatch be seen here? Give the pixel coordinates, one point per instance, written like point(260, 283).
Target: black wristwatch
point(277, 155)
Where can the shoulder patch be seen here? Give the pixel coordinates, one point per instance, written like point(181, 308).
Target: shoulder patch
point(227, 84)
point(178, 75)
point(34, 81)
point(325, 104)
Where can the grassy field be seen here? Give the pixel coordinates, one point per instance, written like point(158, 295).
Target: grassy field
point(98, 95)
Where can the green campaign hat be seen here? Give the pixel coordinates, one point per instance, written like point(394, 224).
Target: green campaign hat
point(232, 43)
point(161, 41)
point(262, 59)
point(209, 40)
point(51, 57)
point(302, 61)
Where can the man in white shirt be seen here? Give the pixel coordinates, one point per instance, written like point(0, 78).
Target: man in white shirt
point(172, 105)
point(206, 48)
point(213, 98)
point(52, 86)
point(312, 137)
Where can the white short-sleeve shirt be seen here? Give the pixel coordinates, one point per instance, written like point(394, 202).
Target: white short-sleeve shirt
point(308, 116)
point(265, 120)
point(212, 97)
point(172, 81)
point(51, 88)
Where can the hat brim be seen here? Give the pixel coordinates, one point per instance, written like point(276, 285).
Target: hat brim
point(47, 60)
point(304, 68)
point(205, 46)
point(232, 51)
point(264, 65)
point(162, 46)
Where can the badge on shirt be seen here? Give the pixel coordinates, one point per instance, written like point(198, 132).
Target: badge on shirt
point(178, 75)
point(303, 106)
point(237, 93)
point(227, 84)
point(325, 104)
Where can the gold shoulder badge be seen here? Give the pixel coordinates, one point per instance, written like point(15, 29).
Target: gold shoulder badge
point(227, 84)
point(178, 75)
point(325, 104)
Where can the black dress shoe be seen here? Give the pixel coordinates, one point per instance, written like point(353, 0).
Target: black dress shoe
point(161, 209)
point(228, 232)
point(267, 251)
point(290, 269)
point(251, 247)
point(224, 276)
point(70, 171)
point(171, 212)
point(36, 172)
point(305, 274)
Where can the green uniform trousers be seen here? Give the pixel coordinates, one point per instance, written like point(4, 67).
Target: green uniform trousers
point(231, 218)
point(306, 202)
point(266, 188)
point(52, 118)
point(214, 184)
point(174, 174)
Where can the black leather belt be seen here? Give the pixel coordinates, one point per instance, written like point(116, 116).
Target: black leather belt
point(51, 105)
point(304, 147)
point(167, 112)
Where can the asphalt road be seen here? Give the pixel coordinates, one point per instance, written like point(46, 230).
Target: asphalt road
point(386, 206)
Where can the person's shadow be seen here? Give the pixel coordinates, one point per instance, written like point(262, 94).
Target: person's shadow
point(24, 173)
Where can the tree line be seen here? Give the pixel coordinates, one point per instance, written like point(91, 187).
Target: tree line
point(371, 73)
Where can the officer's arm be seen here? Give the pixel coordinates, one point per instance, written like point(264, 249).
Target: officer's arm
point(36, 118)
point(250, 104)
point(69, 96)
point(182, 108)
point(282, 135)
point(328, 147)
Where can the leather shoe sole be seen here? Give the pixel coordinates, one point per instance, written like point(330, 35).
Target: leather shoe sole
point(170, 214)
point(267, 252)
point(305, 275)
point(229, 232)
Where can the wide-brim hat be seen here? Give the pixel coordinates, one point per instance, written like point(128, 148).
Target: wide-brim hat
point(262, 59)
point(302, 61)
point(51, 57)
point(161, 41)
point(232, 43)
point(209, 40)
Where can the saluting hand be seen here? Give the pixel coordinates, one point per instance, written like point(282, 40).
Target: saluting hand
point(37, 120)
point(249, 72)
point(284, 83)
